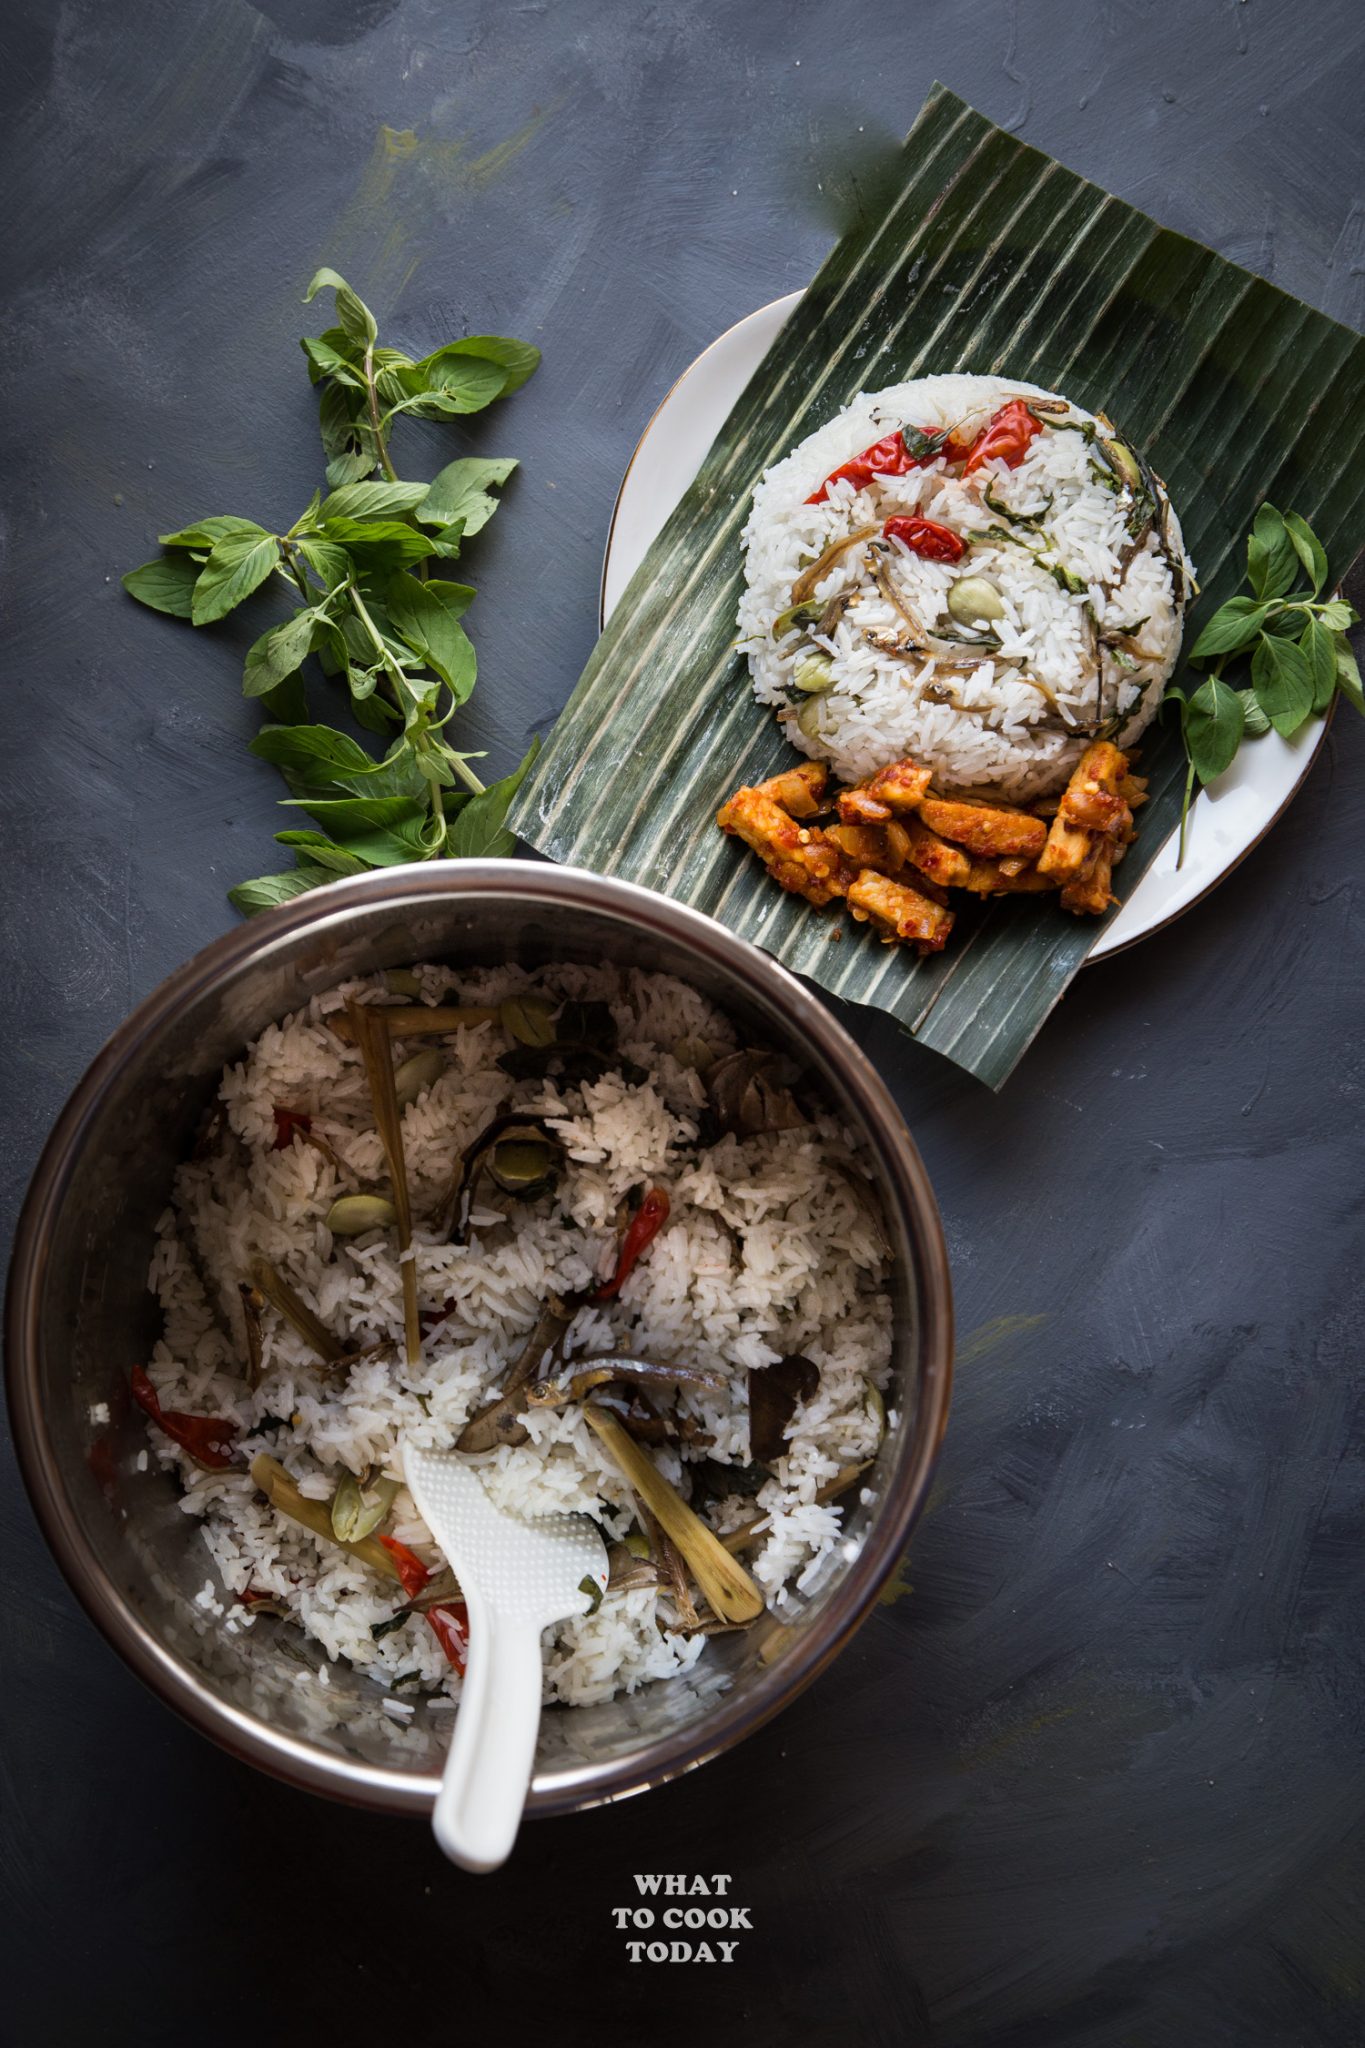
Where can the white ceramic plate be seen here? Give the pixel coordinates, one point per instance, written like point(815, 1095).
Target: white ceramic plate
point(1229, 818)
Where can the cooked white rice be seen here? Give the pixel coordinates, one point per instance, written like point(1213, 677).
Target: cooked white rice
point(772, 1247)
point(984, 728)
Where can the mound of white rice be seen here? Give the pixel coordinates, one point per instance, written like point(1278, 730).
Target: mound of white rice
point(1091, 625)
point(771, 1247)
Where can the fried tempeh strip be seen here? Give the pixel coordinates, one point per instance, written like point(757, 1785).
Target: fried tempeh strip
point(900, 911)
point(798, 790)
point(986, 829)
point(883, 847)
point(934, 857)
point(1004, 878)
point(856, 807)
point(799, 856)
point(1091, 804)
point(1068, 848)
point(902, 786)
point(1090, 893)
point(1092, 797)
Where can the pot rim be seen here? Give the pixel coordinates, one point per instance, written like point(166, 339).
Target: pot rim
point(738, 1713)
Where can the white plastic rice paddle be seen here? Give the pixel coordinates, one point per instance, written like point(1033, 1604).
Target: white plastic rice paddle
point(515, 1579)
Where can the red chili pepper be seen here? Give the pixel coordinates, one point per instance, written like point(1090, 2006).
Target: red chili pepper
point(893, 455)
point(208, 1438)
point(1006, 439)
point(926, 537)
point(450, 1626)
point(287, 1121)
point(645, 1225)
point(412, 1573)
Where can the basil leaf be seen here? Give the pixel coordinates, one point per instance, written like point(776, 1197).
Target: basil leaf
point(1255, 722)
point(1214, 721)
point(517, 359)
point(326, 361)
point(317, 758)
point(1348, 672)
point(451, 382)
point(380, 1629)
point(372, 501)
point(379, 543)
point(338, 419)
point(1283, 683)
point(353, 314)
point(479, 831)
point(206, 532)
point(1234, 625)
point(1336, 614)
point(166, 585)
point(462, 491)
point(338, 860)
point(310, 753)
point(278, 653)
point(1308, 548)
point(448, 538)
point(349, 468)
point(347, 814)
point(1272, 564)
point(1320, 652)
point(237, 565)
point(376, 714)
point(420, 613)
point(390, 849)
point(268, 890)
point(287, 703)
point(327, 560)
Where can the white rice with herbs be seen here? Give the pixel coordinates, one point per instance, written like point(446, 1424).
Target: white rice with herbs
point(772, 1247)
point(1092, 590)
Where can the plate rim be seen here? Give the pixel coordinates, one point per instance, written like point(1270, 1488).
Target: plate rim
point(1100, 952)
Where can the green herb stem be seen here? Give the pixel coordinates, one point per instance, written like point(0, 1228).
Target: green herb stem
point(466, 774)
point(389, 665)
point(372, 397)
point(1185, 814)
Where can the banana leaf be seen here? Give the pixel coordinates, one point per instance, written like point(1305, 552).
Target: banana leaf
point(980, 254)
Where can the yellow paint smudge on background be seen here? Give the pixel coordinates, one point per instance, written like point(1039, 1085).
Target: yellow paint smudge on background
point(999, 1746)
point(372, 241)
point(990, 1336)
point(898, 1585)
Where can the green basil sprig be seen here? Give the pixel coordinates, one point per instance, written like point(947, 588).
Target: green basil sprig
point(363, 566)
point(1296, 644)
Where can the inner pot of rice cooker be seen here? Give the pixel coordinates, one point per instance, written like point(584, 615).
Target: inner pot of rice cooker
point(80, 1317)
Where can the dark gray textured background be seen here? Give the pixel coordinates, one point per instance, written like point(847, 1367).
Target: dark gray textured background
point(1097, 1775)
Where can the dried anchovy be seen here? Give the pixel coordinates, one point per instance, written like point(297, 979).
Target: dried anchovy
point(499, 1422)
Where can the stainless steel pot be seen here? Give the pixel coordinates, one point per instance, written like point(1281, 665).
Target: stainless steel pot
point(79, 1317)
